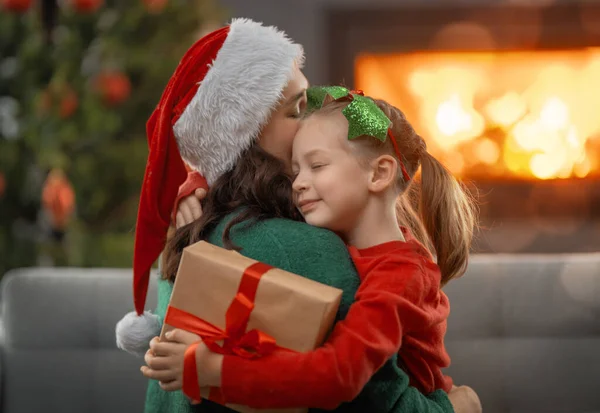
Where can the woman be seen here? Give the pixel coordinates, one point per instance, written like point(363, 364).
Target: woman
point(233, 106)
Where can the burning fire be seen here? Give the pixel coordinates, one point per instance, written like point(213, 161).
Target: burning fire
point(525, 114)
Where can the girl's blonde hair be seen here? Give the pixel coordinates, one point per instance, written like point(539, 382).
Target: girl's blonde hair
point(446, 217)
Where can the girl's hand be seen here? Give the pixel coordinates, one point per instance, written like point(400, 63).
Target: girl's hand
point(189, 208)
point(165, 359)
point(208, 364)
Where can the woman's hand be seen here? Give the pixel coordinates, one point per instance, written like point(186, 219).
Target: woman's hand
point(464, 400)
point(164, 359)
point(190, 209)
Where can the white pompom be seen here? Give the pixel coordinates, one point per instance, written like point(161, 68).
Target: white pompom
point(134, 332)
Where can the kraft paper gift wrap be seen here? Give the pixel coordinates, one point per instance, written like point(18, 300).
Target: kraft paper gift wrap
point(248, 308)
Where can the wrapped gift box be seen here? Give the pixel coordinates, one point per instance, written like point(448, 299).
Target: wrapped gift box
point(295, 311)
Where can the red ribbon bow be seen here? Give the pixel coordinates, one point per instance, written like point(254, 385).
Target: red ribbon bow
point(235, 339)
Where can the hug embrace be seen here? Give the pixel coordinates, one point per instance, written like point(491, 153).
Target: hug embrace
point(317, 181)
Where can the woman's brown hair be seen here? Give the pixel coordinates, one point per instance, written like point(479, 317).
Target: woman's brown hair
point(257, 186)
point(446, 216)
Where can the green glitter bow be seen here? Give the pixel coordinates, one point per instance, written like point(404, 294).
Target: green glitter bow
point(364, 117)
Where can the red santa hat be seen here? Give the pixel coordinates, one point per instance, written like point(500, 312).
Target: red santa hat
point(213, 108)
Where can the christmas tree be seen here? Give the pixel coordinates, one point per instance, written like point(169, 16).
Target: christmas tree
point(78, 80)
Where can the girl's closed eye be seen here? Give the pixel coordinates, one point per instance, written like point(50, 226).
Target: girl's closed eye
point(317, 166)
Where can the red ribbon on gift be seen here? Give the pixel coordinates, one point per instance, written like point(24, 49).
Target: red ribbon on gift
point(235, 339)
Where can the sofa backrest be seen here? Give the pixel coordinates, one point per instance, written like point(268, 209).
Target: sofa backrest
point(58, 346)
point(524, 332)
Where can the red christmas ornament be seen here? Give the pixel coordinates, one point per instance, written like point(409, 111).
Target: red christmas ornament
point(86, 6)
point(59, 99)
point(58, 198)
point(114, 87)
point(155, 6)
point(68, 104)
point(17, 6)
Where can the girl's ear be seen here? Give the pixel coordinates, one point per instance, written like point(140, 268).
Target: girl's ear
point(383, 173)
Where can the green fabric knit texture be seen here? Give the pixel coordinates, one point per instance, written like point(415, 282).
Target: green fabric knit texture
point(320, 255)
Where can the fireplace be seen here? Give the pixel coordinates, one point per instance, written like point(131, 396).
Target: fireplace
point(507, 97)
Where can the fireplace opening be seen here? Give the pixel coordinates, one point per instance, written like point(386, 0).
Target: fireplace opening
point(497, 115)
point(506, 96)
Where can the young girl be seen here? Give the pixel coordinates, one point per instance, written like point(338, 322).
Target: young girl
point(352, 158)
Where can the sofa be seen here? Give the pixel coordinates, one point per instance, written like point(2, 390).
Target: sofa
point(524, 332)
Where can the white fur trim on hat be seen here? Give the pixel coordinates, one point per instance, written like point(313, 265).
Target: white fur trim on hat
point(236, 97)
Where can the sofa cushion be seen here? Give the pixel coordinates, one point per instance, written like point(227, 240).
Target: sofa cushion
point(524, 332)
point(58, 351)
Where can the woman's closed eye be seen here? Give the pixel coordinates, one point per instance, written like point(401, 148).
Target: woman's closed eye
point(297, 113)
point(299, 109)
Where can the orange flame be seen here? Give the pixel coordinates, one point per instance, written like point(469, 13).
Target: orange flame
point(525, 114)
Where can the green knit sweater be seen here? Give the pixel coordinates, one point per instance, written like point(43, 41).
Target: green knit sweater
point(319, 255)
